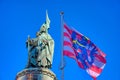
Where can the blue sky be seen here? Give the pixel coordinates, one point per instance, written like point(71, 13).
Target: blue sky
point(97, 19)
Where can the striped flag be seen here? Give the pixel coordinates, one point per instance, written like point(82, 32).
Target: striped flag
point(87, 55)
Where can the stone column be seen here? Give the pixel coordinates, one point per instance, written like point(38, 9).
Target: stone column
point(36, 74)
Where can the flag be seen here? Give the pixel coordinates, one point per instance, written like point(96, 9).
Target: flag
point(87, 55)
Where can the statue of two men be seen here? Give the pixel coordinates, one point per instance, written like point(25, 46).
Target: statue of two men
point(41, 48)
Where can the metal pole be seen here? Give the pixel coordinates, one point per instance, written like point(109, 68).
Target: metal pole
point(62, 38)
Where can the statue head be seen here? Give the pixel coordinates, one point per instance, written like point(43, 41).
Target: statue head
point(43, 28)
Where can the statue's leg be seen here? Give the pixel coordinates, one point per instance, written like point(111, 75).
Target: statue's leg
point(48, 63)
point(33, 58)
point(38, 57)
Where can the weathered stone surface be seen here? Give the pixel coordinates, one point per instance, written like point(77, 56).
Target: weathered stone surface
point(36, 74)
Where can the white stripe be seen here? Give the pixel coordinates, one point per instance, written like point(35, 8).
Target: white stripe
point(67, 33)
point(92, 73)
point(65, 30)
point(101, 67)
point(67, 39)
point(98, 64)
point(67, 48)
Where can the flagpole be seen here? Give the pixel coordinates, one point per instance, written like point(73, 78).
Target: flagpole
point(62, 38)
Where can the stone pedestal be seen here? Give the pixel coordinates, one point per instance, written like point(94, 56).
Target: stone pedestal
point(36, 74)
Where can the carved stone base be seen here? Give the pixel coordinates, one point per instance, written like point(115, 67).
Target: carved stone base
point(36, 74)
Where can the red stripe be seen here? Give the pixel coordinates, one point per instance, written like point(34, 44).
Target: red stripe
point(94, 78)
point(69, 54)
point(69, 30)
point(66, 43)
point(80, 64)
point(95, 69)
point(100, 58)
point(101, 53)
point(68, 35)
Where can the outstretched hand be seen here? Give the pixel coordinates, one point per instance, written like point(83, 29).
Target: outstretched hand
point(45, 42)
